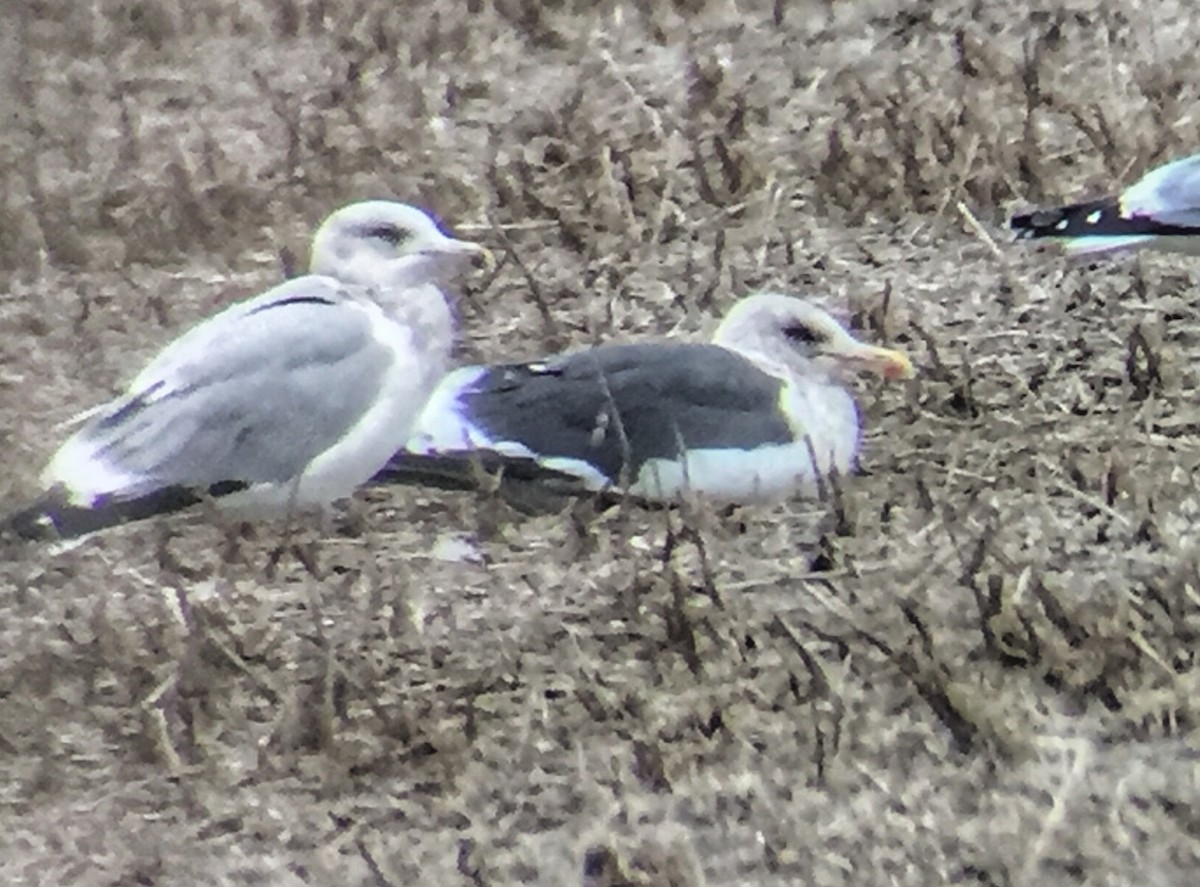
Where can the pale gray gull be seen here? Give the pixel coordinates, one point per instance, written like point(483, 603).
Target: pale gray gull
point(757, 414)
point(288, 400)
point(1161, 211)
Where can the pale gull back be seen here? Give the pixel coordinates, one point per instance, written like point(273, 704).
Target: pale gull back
point(292, 398)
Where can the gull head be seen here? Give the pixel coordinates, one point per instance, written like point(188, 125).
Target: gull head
point(790, 331)
point(385, 244)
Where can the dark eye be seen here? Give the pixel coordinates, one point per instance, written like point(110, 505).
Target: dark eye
point(803, 335)
point(390, 233)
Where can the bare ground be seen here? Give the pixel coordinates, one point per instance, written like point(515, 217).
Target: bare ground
point(975, 666)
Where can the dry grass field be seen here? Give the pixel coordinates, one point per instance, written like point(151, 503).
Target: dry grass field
point(974, 665)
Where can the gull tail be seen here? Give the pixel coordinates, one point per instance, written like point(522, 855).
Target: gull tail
point(54, 517)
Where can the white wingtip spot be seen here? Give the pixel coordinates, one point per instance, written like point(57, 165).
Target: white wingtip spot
point(600, 429)
point(1094, 217)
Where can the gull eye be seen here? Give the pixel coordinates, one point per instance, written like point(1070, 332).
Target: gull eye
point(389, 233)
point(802, 334)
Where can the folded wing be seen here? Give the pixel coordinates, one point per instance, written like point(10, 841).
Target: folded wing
point(252, 395)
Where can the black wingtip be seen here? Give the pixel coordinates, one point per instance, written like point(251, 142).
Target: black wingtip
point(52, 517)
point(1090, 218)
point(33, 523)
point(521, 481)
point(1041, 223)
point(469, 469)
point(1102, 218)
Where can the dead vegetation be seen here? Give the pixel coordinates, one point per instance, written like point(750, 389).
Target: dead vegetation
point(974, 663)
